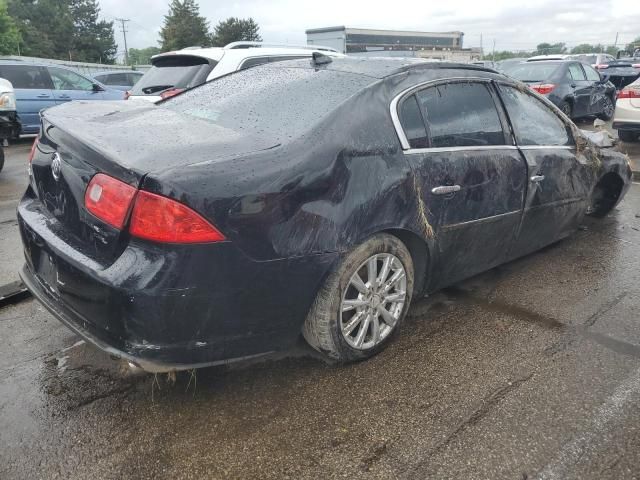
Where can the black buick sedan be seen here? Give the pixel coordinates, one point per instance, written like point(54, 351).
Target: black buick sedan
point(300, 197)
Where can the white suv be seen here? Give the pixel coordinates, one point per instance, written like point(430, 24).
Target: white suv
point(173, 72)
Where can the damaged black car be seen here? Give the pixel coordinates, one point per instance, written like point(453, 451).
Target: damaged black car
point(315, 198)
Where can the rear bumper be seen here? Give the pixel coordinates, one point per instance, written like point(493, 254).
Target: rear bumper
point(169, 307)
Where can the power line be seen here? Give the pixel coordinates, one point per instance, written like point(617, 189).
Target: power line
point(123, 22)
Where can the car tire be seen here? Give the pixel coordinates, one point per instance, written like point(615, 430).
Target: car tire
point(628, 136)
point(346, 322)
point(608, 109)
point(566, 108)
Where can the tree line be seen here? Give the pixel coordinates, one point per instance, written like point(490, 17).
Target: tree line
point(73, 30)
point(561, 48)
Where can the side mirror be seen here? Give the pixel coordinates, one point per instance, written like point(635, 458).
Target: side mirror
point(97, 88)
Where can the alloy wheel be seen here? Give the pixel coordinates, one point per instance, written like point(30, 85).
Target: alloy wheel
point(373, 301)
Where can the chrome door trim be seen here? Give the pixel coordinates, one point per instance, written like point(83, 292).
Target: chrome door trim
point(459, 149)
point(393, 107)
point(493, 218)
point(546, 147)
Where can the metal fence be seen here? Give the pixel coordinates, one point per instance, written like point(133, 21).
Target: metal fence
point(81, 67)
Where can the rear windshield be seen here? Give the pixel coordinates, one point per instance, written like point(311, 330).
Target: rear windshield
point(591, 59)
point(532, 72)
point(173, 72)
point(281, 102)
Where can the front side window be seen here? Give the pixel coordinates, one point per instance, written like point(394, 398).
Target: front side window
point(68, 80)
point(534, 123)
point(461, 114)
point(592, 75)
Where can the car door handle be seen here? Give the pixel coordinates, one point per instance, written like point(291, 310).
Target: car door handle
point(445, 189)
point(537, 178)
point(573, 85)
point(64, 96)
point(43, 95)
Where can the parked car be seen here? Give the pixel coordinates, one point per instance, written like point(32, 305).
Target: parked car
point(39, 86)
point(174, 72)
point(575, 88)
point(119, 80)
point(544, 58)
point(621, 72)
point(300, 196)
point(627, 116)
point(503, 66)
point(485, 63)
point(9, 123)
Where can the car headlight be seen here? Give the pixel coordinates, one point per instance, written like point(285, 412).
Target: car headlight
point(7, 101)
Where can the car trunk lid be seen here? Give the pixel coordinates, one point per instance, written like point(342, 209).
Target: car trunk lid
point(125, 141)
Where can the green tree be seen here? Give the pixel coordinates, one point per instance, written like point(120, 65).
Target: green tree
point(551, 48)
point(585, 48)
point(93, 39)
point(142, 56)
point(9, 33)
point(45, 26)
point(505, 55)
point(184, 27)
point(235, 30)
point(631, 47)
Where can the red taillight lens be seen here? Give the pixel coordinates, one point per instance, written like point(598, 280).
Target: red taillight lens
point(543, 88)
point(170, 93)
point(32, 153)
point(636, 65)
point(162, 219)
point(602, 66)
point(629, 93)
point(109, 199)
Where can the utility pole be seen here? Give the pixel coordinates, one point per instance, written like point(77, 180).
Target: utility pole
point(123, 21)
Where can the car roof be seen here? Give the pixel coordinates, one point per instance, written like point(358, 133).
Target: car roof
point(381, 67)
point(113, 72)
point(538, 58)
point(245, 50)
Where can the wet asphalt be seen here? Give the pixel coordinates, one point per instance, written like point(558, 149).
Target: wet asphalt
point(531, 370)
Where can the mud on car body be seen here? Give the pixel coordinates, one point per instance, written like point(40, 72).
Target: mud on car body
point(316, 197)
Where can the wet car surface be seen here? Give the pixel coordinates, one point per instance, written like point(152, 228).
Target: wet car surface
point(531, 370)
point(282, 210)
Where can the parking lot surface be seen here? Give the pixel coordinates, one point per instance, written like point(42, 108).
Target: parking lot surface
point(531, 370)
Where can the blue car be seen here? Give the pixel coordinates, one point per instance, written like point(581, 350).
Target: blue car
point(39, 86)
point(118, 80)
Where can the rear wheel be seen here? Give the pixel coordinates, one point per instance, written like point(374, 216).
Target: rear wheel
point(608, 108)
point(628, 136)
point(566, 108)
point(363, 302)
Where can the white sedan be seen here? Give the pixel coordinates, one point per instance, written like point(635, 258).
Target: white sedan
point(627, 117)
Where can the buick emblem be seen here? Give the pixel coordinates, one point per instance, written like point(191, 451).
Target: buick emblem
point(56, 166)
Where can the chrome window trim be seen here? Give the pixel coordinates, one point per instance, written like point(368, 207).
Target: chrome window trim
point(545, 147)
point(393, 107)
point(459, 149)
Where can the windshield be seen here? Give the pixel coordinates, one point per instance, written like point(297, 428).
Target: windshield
point(532, 72)
point(173, 72)
point(266, 100)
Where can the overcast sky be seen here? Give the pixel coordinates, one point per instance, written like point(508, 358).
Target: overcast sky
point(512, 26)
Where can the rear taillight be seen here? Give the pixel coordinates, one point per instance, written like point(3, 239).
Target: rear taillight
point(162, 219)
point(32, 153)
point(636, 65)
point(109, 199)
point(629, 93)
point(170, 93)
point(602, 66)
point(127, 94)
point(543, 88)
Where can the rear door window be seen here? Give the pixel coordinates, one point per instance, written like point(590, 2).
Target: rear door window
point(576, 73)
point(68, 80)
point(592, 75)
point(174, 71)
point(413, 123)
point(26, 76)
point(534, 123)
point(460, 115)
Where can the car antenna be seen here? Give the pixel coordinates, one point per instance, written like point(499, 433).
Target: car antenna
point(319, 58)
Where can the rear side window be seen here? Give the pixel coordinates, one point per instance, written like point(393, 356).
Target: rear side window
point(115, 79)
point(534, 123)
point(576, 73)
point(175, 71)
point(413, 124)
point(460, 115)
point(26, 76)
